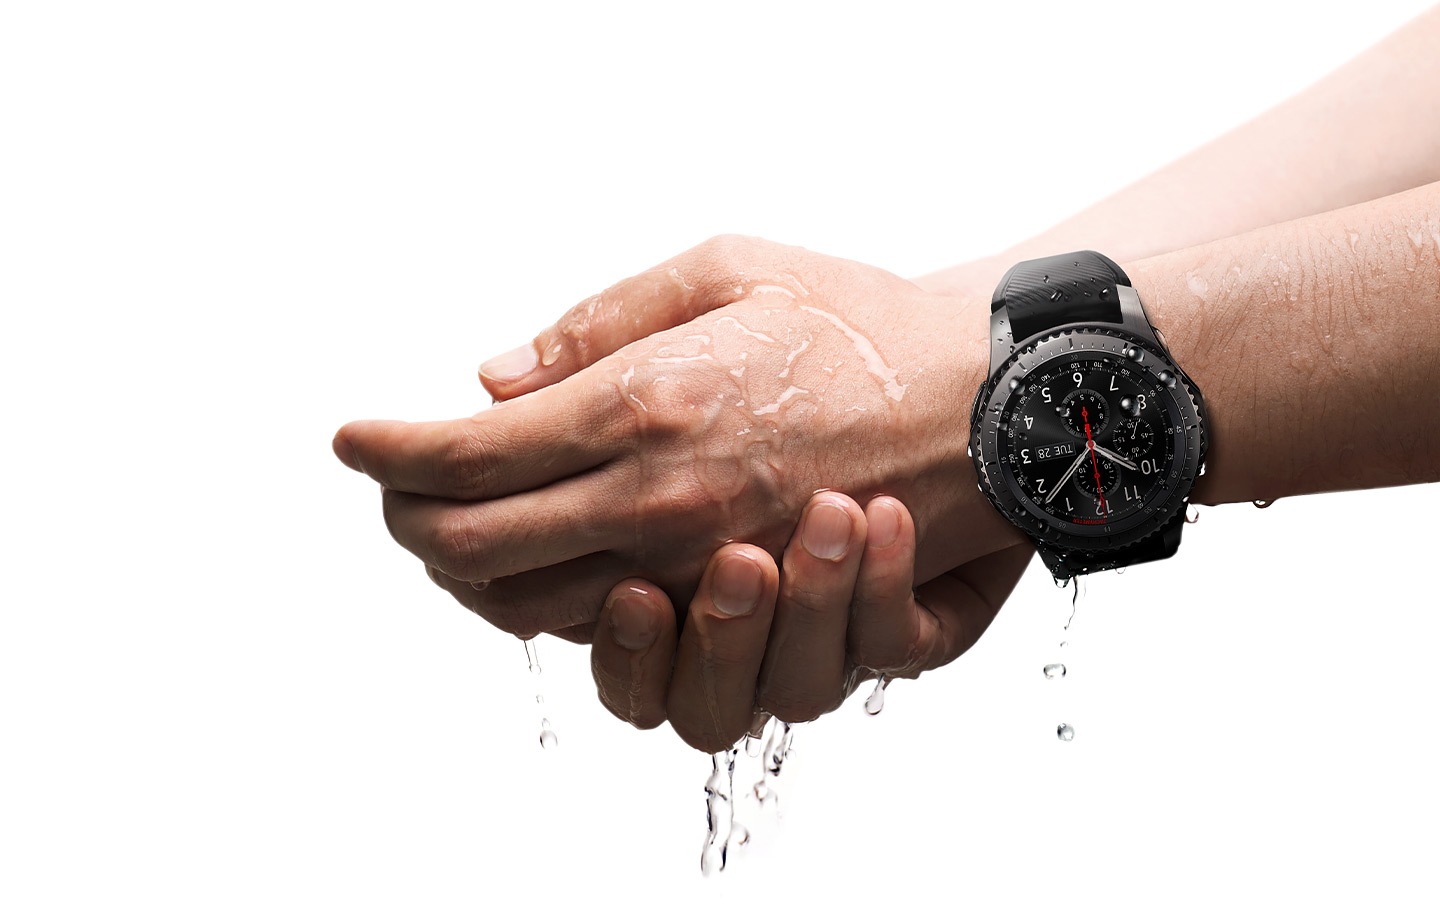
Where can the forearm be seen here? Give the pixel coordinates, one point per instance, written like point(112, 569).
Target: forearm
point(1316, 344)
point(1365, 131)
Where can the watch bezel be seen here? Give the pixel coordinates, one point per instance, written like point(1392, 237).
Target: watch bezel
point(1182, 401)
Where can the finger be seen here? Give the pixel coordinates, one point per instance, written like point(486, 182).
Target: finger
point(803, 675)
point(673, 293)
point(901, 632)
point(542, 601)
point(884, 624)
point(632, 652)
point(580, 634)
point(513, 447)
point(712, 689)
point(491, 539)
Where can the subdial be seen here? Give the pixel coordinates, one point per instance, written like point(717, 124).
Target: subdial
point(1133, 438)
point(1083, 406)
point(1109, 476)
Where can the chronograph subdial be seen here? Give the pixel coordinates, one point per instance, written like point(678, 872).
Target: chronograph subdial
point(1081, 407)
point(1109, 476)
point(1133, 438)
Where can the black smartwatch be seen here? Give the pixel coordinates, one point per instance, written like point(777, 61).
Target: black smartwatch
point(1086, 435)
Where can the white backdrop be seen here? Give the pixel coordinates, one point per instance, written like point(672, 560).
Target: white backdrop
point(225, 229)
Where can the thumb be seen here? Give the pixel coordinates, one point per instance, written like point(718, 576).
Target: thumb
point(669, 295)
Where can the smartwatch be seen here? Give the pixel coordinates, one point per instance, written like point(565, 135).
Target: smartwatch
point(1086, 434)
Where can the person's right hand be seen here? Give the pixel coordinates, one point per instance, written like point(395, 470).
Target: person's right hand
point(792, 643)
point(793, 371)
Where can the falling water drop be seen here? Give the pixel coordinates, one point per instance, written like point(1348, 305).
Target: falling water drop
point(1262, 504)
point(547, 734)
point(1192, 515)
point(1064, 732)
point(876, 701)
point(1054, 670)
point(719, 812)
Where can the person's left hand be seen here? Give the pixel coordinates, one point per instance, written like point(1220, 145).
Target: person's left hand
point(796, 642)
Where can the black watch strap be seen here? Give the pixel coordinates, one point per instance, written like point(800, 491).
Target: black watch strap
point(1066, 564)
point(1042, 294)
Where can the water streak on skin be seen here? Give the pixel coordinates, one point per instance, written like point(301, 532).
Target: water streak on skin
point(786, 396)
point(679, 279)
point(873, 362)
point(772, 289)
point(747, 330)
point(678, 360)
point(790, 358)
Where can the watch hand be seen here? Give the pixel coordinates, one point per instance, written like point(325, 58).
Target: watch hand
point(1066, 477)
point(1117, 458)
point(1090, 441)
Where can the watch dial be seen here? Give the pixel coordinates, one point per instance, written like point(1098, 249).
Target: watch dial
point(1087, 438)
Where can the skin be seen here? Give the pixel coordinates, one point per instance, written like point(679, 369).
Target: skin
point(1360, 331)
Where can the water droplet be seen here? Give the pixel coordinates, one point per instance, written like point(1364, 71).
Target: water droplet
point(1055, 295)
point(876, 701)
point(739, 836)
point(1064, 643)
point(532, 656)
point(1104, 292)
point(1129, 406)
point(551, 354)
point(1167, 378)
point(1064, 732)
point(1262, 504)
point(547, 735)
point(1014, 383)
point(1132, 353)
point(1192, 515)
point(970, 451)
point(1055, 670)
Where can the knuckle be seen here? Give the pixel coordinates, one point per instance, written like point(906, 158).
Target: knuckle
point(469, 464)
point(721, 248)
point(457, 547)
point(573, 333)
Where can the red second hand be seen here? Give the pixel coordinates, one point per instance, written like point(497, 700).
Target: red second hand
point(1095, 463)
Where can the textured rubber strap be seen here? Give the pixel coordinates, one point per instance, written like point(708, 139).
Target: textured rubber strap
point(1066, 564)
point(1039, 295)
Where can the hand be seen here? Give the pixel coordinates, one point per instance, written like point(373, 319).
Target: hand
point(794, 371)
point(792, 644)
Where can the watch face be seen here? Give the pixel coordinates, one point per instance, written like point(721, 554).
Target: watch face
point(1089, 439)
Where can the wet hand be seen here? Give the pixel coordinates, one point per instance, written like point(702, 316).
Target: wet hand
point(792, 644)
point(790, 371)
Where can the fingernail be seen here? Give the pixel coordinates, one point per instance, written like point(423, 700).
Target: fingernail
point(345, 452)
point(511, 366)
point(826, 531)
point(631, 625)
point(884, 525)
point(736, 585)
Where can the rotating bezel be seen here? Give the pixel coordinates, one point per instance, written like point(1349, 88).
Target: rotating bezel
point(1180, 399)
